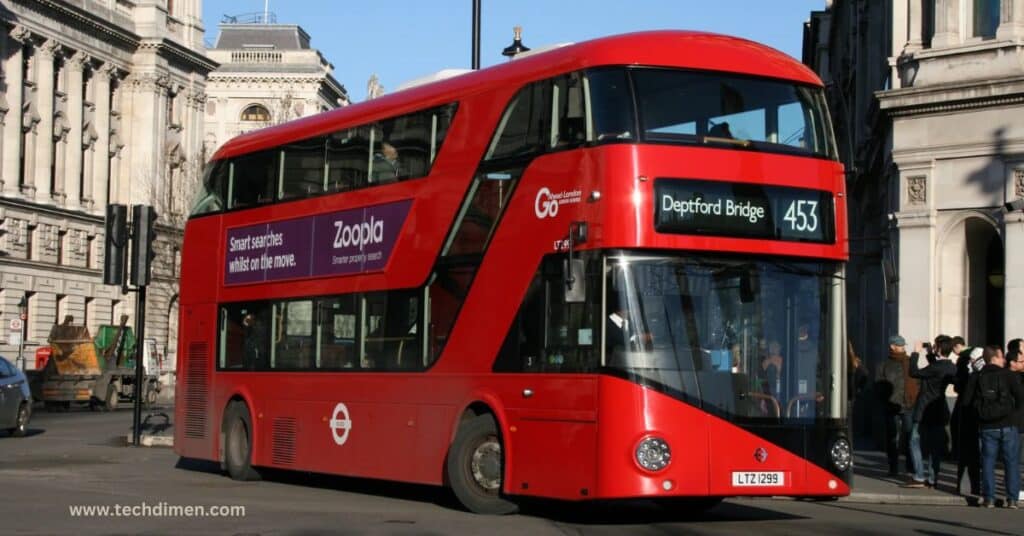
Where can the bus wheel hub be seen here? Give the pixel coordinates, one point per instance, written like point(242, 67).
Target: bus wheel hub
point(486, 464)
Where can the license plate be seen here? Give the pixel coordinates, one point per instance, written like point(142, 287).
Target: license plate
point(758, 478)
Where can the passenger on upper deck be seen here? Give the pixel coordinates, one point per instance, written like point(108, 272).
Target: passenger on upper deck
point(386, 167)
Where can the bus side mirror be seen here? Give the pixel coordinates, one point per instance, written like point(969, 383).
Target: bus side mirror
point(575, 288)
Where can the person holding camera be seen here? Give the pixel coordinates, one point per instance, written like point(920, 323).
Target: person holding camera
point(930, 414)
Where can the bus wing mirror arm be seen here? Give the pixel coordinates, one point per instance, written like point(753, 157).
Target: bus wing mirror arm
point(575, 269)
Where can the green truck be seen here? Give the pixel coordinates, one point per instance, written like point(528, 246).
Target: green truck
point(99, 372)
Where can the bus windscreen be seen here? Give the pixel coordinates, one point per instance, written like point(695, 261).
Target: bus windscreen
point(732, 111)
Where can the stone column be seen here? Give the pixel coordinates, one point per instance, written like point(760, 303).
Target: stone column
point(916, 276)
point(947, 23)
point(915, 23)
point(13, 77)
point(1014, 278)
point(101, 148)
point(44, 56)
point(73, 166)
point(1011, 20)
point(143, 125)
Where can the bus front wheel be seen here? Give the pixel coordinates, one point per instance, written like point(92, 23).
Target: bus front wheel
point(475, 467)
point(238, 442)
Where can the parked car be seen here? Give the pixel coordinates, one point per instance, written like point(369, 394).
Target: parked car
point(15, 399)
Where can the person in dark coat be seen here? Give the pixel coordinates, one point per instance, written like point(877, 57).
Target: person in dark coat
point(930, 414)
point(964, 423)
point(997, 395)
point(896, 392)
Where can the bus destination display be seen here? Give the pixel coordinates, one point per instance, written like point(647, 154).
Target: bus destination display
point(743, 210)
point(336, 243)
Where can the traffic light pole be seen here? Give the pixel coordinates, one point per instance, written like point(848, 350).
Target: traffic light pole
point(140, 344)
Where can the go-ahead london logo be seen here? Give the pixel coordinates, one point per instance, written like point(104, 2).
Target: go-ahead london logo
point(546, 204)
point(340, 424)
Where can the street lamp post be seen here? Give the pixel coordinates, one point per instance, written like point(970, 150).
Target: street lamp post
point(476, 35)
point(23, 315)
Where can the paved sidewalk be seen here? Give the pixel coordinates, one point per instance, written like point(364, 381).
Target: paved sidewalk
point(871, 484)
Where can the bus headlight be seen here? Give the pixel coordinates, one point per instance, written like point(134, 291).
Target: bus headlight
point(841, 456)
point(653, 454)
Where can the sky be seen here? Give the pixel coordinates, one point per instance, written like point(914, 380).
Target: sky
point(400, 40)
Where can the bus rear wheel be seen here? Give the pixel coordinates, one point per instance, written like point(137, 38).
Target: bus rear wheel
point(237, 434)
point(476, 466)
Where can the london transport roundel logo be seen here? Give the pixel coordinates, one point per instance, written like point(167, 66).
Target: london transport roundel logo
point(340, 424)
point(545, 205)
point(760, 454)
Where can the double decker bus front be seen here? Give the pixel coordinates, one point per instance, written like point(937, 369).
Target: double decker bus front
point(718, 269)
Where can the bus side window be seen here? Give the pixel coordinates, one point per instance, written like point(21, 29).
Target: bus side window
point(392, 327)
point(253, 179)
point(303, 174)
point(293, 336)
point(348, 154)
point(568, 126)
point(245, 336)
point(524, 125)
point(339, 319)
point(610, 106)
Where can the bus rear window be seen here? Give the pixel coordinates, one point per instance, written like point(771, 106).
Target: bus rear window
point(215, 184)
point(733, 111)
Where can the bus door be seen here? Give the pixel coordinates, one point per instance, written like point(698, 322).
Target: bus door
point(552, 350)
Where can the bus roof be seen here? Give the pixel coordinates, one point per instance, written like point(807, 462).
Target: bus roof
point(674, 48)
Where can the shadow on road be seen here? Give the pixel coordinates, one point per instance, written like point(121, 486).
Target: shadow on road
point(28, 433)
point(618, 512)
point(636, 512)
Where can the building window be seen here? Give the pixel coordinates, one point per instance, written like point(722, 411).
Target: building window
point(986, 18)
point(256, 112)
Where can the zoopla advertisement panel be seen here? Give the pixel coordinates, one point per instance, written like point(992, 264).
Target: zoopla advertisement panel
point(336, 243)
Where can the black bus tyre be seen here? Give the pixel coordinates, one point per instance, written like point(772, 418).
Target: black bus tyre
point(476, 465)
point(21, 425)
point(238, 443)
point(111, 400)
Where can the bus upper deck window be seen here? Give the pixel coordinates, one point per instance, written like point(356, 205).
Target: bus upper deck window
point(254, 179)
point(210, 198)
point(610, 105)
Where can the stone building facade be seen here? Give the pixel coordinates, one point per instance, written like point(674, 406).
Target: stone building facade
point(101, 101)
point(928, 101)
point(268, 74)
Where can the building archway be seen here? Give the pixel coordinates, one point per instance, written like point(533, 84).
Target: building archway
point(971, 281)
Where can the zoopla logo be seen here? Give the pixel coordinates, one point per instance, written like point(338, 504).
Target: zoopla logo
point(545, 205)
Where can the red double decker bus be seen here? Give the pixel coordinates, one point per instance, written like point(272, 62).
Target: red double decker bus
point(609, 270)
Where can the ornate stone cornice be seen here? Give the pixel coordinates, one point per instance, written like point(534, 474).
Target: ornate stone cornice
point(953, 97)
point(945, 107)
point(147, 81)
point(166, 47)
point(83, 20)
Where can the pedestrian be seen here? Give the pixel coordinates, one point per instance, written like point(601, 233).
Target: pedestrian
point(896, 392)
point(1013, 346)
point(964, 423)
point(930, 413)
point(996, 394)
